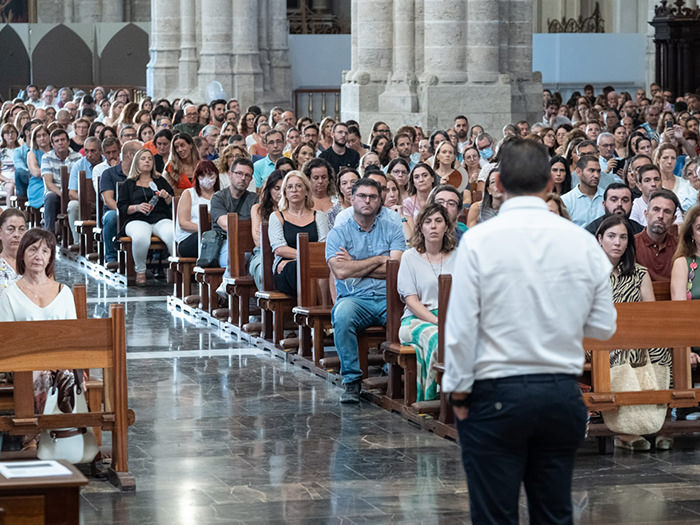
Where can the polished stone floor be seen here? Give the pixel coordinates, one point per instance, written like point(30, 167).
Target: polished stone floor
point(226, 433)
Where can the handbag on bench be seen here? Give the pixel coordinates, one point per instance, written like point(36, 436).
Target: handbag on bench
point(77, 445)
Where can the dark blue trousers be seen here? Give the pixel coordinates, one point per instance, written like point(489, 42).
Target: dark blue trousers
point(522, 429)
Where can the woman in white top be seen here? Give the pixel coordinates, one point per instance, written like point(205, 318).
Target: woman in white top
point(13, 225)
point(433, 253)
point(36, 296)
point(206, 183)
point(665, 159)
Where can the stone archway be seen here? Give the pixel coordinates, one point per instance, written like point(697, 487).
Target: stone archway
point(14, 63)
point(124, 58)
point(62, 58)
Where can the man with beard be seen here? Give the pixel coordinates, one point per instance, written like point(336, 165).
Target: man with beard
point(217, 109)
point(403, 145)
point(339, 155)
point(617, 198)
point(585, 202)
point(462, 129)
point(657, 242)
point(648, 181)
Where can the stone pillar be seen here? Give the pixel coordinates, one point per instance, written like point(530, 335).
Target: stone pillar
point(280, 68)
point(445, 40)
point(215, 51)
point(374, 38)
point(247, 75)
point(112, 10)
point(520, 39)
point(264, 43)
point(188, 48)
point(483, 40)
point(400, 93)
point(161, 71)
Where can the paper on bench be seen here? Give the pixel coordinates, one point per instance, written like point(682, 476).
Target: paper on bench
point(32, 469)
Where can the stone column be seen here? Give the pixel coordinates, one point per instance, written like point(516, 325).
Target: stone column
point(445, 40)
point(215, 50)
point(264, 42)
point(280, 68)
point(400, 94)
point(374, 38)
point(188, 53)
point(112, 10)
point(483, 40)
point(520, 39)
point(161, 71)
point(247, 76)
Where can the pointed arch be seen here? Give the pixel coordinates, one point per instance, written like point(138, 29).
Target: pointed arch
point(124, 58)
point(14, 63)
point(62, 58)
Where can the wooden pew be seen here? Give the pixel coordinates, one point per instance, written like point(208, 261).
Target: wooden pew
point(18, 202)
point(240, 286)
point(86, 215)
point(181, 267)
point(99, 255)
point(313, 310)
point(275, 306)
point(72, 344)
point(662, 290)
point(125, 256)
point(209, 279)
point(660, 324)
point(62, 226)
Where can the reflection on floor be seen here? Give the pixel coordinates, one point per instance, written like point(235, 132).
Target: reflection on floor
point(225, 433)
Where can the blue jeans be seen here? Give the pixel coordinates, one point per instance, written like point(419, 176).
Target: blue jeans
point(21, 182)
point(522, 429)
point(109, 232)
point(349, 316)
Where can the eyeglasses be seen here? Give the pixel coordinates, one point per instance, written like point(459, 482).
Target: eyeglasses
point(366, 197)
point(447, 203)
point(241, 174)
point(399, 172)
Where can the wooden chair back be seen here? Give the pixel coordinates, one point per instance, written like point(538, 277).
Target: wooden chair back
point(444, 290)
point(204, 221)
point(65, 197)
point(394, 305)
point(312, 273)
point(99, 204)
point(268, 258)
point(173, 208)
point(662, 290)
point(240, 242)
point(657, 324)
point(86, 197)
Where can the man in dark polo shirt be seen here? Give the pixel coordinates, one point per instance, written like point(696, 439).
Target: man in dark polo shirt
point(339, 155)
point(657, 243)
point(616, 199)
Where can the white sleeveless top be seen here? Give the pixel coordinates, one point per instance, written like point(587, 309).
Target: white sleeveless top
point(180, 234)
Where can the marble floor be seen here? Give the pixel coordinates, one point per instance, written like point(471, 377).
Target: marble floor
point(225, 433)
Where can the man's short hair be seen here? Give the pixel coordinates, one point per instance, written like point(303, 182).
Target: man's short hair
point(665, 194)
point(366, 181)
point(88, 113)
point(374, 170)
point(206, 130)
point(338, 124)
point(95, 140)
point(647, 167)
point(585, 143)
point(216, 102)
point(585, 159)
point(615, 186)
point(483, 135)
point(271, 133)
point(56, 132)
point(254, 109)
point(524, 166)
point(401, 136)
point(461, 117)
point(124, 128)
point(110, 141)
point(446, 187)
point(604, 134)
point(354, 130)
point(241, 161)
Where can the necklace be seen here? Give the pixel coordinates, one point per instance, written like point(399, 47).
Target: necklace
point(434, 264)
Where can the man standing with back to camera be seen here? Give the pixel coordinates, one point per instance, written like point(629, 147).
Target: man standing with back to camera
point(532, 286)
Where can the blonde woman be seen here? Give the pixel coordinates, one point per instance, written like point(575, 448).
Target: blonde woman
point(449, 171)
point(140, 218)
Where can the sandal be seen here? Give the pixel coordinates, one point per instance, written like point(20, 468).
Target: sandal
point(141, 279)
point(633, 443)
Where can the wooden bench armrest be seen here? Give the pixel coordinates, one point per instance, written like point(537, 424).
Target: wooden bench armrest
point(398, 348)
point(85, 223)
point(273, 296)
point(182, 260)
point(209, 271)
point(313, 311)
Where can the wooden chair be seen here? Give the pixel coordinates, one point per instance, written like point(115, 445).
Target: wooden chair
point(446, 415)
point(126, 257)
point(181, 267)
point(240, 286)
point(34, 216)
point(662, 290)
point(18, 202)
point(71, 344)
point(659, 324)
point(98, 255)
point(86, 215)
point(209, 279)
point(275, 306)
point(313, 310)
point(62, 226)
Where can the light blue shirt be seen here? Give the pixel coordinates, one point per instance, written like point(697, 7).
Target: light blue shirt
point(582, 209)
point(262, 169)
point(384, 237)
point(82, 165)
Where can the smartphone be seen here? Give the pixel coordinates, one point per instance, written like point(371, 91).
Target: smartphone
point(669, 124)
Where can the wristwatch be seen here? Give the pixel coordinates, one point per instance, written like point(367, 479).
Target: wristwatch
point(465, 402)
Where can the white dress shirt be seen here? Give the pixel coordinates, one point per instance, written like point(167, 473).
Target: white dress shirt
point(530, 286)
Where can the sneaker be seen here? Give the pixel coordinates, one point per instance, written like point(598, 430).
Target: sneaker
point(634, 443)
point(352, 392)
point(663, 442)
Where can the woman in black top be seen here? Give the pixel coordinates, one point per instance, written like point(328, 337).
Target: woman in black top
point(144, 200)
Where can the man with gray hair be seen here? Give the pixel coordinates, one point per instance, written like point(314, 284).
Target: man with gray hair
point(210, 133)
point(190, 121)
point(93, 156)
point(608, 162)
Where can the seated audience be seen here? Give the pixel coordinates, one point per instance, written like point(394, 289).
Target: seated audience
point(346, 180)
point(648, 181)
point(420, 183)
point(555, 205)
point(432, 253)
point(295, 214)
point(40, 143)
point(617, 198)
point(51, 162)
point(261, 211)
point(449, 198)
point(181, 163)
point(684, 285)
point(561, 175)
point(13, 225)
point(585, 202)
point(140, 218)
point(321, 176)
point(206, 183)
point(489, 205)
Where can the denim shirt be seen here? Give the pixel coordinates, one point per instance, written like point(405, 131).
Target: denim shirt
point(384, 237)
